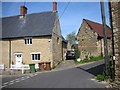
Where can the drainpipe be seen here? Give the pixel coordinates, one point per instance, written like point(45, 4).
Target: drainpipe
point(62, 51)
point(9, 53)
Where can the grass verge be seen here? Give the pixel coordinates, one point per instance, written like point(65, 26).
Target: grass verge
point(100, 77)
point(91, 59)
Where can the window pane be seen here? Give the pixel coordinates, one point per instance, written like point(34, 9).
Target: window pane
point(25, 41)
point(30, 41)
point(38, 56)
point(33, 57)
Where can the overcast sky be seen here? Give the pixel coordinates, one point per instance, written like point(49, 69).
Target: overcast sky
point(70, 20)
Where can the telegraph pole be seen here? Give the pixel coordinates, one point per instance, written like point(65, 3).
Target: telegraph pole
point(105, 39)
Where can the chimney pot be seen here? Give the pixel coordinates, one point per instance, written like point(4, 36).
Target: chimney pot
point(54, 6)
point(23, 10)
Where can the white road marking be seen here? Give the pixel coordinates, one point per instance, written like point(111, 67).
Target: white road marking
point(10, 83)
point(32, 75)
point(17, 80)
point(93, 79)
point(36, 74)
point(5, 83)
point(22, 78)
point(28, 77)
point(4, 86)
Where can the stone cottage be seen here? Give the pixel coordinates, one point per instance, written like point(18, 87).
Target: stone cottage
point(90, 39)
point(31, 38)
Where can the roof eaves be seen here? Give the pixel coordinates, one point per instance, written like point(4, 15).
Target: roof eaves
point(88, 24)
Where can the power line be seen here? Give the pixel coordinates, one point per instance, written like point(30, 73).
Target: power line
point(64, 9)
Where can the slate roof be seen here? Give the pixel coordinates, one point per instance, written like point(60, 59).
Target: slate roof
point(98, 28)
point(63, 39)
point(36, 24)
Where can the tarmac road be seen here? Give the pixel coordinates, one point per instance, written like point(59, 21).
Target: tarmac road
point(77, 77)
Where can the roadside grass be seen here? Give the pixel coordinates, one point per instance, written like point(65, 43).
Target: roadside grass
point(91, 59)
point(100, 77)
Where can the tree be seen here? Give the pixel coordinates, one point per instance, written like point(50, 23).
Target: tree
point(71, 38)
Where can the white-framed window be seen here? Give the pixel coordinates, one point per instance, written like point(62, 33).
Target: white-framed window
point(28, 41)
point(35, 56)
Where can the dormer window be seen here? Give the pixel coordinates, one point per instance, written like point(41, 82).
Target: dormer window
point(28, 41)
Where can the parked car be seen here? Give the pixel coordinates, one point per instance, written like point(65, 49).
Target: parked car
point(70, 54)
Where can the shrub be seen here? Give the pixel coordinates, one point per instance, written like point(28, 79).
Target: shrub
point(100, 77)
point(91, 57)
point(77, 53)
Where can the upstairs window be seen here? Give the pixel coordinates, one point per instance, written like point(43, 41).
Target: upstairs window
point(28, 41)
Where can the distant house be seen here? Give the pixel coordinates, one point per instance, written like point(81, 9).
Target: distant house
point(64, 47)
point(74, 46)
point(90, 39)
point(31, 38)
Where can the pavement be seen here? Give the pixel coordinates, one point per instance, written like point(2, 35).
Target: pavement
point(65, 65)
point(62, 66)
point(66, 75)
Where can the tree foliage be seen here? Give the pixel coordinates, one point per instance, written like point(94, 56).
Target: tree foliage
point(71, 38)
point(77, 53)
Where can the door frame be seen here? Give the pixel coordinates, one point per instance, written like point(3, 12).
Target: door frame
point(15, 57)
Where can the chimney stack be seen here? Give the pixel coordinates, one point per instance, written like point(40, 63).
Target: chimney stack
point(23, 11)
point(54, 6)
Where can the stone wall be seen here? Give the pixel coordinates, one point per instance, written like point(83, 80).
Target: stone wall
point(88, 42)
point(41, 44)
point(56, 43)
point(5, 53)
point(115, 6)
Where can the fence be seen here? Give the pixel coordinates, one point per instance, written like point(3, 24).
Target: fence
point(2, 66)
point(22, 67)
point(25, 67)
